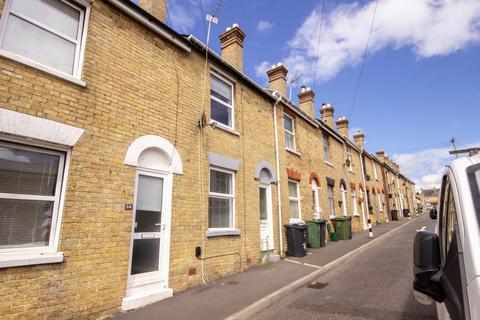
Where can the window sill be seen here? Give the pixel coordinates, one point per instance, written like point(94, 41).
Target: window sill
point(298, 154)
point(43, 68)
point(330, 164)
point(30, 259)
point(222, 233)
point(351, 171)
point(216, 124)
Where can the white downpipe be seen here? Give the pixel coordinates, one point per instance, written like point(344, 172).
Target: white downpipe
point(400, 195)
point(364, 191)
point(277, 159)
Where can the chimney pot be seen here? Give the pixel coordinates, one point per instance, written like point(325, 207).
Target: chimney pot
point(359, 139)
point(232, 46)
point(277, 78)
point(307, 101)
point(327, 114)
point(342, 126)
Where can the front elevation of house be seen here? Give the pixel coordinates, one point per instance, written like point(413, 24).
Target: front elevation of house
point(130, 171)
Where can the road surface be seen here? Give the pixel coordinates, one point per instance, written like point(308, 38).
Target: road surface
point(377, 284)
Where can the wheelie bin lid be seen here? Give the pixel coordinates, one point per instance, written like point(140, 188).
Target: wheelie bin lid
point(341, 218)
point(319, 221)
point(296, 226)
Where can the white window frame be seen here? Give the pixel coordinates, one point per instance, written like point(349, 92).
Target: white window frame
point(354, 203)
point(332, 203)
point(326, 139)
point(375, 175)
point(288, 132)
point(343, 192)
point(349, 157)
point(297, 199)
point(12, 257)
point(231, 107)
point(223, 196)
point(379, 199)
point(80, 42)
point(315, 198)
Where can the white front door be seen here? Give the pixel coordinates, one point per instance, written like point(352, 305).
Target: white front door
point(148, 270)
point(266, 223)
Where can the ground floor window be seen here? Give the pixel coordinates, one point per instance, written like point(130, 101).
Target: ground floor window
point(294, 200)
point(221, 199)
point(30, 187)
point(354, 203)
point(331, 202)
point(380, 205)
point(315, 199)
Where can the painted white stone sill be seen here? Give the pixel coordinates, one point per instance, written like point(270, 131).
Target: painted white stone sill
point(222, 233)
point(30, 259)
point(43, 68)
point(330, 164)
point(351, 171)
point(294, 152)
point(218, 125)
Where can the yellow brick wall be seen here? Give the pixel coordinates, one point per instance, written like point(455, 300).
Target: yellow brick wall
point(131, 78)
point(131, 91)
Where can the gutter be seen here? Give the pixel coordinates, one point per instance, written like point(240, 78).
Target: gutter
point(150, 22)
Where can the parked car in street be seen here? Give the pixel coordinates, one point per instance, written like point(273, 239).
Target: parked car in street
point(447, 261)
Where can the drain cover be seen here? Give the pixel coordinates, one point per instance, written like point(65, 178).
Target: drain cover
point(232, 283)
point(317, 285)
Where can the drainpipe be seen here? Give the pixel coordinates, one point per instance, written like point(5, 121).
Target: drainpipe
point(400, 195)
point(364, 190)
point(277, 159)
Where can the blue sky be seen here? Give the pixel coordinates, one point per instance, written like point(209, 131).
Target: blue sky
point(420, 85)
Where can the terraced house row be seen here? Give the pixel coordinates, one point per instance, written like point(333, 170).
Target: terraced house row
point(134, 164)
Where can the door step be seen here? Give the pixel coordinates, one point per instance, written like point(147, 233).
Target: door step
point(136, 299)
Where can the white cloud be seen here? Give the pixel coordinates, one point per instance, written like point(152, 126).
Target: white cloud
point(261, 69)
point(185, 14)
point(264, 25)
point(428, 27)
point(425, 167)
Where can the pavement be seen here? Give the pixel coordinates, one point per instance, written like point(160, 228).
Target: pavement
point(376, 284)
point(244, 294)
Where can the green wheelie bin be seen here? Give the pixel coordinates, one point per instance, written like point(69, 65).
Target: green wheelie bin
point(343, 226)
point(316, 233)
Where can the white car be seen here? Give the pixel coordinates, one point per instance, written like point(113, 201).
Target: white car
point(447, 262)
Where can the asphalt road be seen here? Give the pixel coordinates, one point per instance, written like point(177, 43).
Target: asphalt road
point(374, 285)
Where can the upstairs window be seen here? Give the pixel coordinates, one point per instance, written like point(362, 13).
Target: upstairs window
point(375, 175)
point(326, 148)
point(349, 158)
point(289, 125)
point(45, 33)
point(221, 99)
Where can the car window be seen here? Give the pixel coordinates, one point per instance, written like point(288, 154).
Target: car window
point(442, 219)
point(473, 173)
point(451, 219)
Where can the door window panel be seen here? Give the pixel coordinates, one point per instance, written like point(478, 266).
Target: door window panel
point(263, 204)
point(149, 204)
point(145, 256)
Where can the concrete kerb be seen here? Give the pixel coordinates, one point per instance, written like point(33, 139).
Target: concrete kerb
point(249, 311)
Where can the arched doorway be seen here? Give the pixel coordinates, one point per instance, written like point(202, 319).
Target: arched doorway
point(156, 160)
point(265, 176)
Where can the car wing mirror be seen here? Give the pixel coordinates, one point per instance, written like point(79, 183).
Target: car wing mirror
point(426, 264)
point(433, 214)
